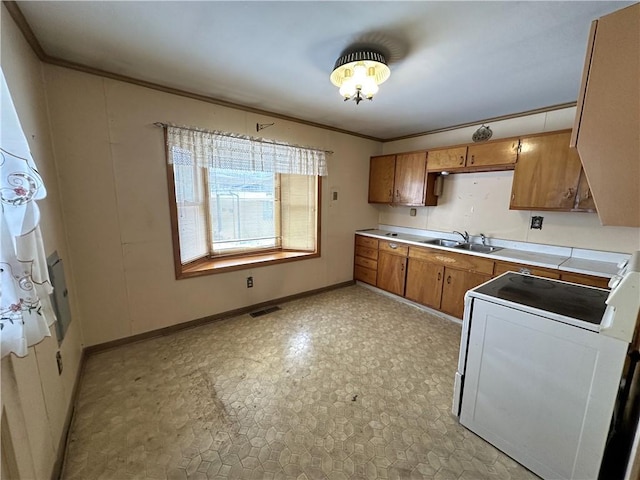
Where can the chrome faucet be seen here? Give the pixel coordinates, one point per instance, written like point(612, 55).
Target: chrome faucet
point(464, 235)
point(483, 239)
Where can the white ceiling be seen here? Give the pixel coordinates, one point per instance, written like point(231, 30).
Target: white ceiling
point(451, 62)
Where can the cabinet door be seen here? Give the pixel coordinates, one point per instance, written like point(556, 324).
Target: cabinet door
point(456, 284)
point(547, 174)
point(381, 173)
point(447, 158)
point(608, 117)
point(391, 272)
point(424, 282)
point(409, 178)
point(494, 153)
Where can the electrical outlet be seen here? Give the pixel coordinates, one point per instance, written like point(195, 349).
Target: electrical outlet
point(59, 361)
point(536, 223)
point(249, 282)
point(412, 212)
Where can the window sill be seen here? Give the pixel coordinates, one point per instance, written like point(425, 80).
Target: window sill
point(221, 265)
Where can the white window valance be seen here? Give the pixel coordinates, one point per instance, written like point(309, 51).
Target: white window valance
point(239, 152)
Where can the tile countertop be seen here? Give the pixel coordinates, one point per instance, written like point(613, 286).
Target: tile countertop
point(587, 262)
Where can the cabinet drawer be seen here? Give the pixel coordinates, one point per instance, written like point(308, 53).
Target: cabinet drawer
point(371, 253)
point(364, 275)
point(366, 242)
point(394, 248)
point(502, 267)
point(366, 262)
point(590, 280)
point(460, 261)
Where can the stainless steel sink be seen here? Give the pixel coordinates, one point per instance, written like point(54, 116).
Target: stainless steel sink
point(477, 247)
point(441, 242)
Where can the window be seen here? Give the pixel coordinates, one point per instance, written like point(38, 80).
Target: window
point(237, 202)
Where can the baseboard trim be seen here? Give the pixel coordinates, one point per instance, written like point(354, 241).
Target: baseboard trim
point(93, 349)
point(58, 465)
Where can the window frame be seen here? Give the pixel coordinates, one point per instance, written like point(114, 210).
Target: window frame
point(209, 266)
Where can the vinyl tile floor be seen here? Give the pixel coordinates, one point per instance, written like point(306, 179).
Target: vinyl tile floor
point(344, 384)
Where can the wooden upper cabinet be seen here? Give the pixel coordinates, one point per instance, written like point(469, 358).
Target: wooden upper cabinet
point(547, 174)
point(496, 155)
point(401, 180)
point(493, 153)
point(608, 118)
point(584, 198)
point(381, 174)
point(446, 158)
point(410, 178)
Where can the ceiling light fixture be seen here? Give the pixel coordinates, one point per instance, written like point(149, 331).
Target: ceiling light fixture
point(359, 73)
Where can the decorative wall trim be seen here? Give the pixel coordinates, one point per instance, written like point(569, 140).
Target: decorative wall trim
point(24, 27)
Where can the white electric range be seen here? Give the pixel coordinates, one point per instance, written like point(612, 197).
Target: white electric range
point(540, 367)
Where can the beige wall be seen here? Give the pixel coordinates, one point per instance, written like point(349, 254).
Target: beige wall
point(114, 189)
point(479, 202)
point(35, 399)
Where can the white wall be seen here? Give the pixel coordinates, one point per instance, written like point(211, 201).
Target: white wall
point(114, 190)
point(479, 202)
point(35, 399)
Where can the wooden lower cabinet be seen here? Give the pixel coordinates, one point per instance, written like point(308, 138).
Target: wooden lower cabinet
point(366, 260)
point(431, 283)
point(502, 267)
point(590, 280)
point(424, 283)
point(391, 272)
point(455, 285)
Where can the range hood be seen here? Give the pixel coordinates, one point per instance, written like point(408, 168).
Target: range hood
point(606, 132)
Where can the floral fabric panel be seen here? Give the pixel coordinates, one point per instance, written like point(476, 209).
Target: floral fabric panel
point(25, 306)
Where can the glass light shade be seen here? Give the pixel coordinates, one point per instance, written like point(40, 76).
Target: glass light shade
point(348, 89)
point(360, 70)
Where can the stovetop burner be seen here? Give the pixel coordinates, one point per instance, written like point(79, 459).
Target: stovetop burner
point(567, 299)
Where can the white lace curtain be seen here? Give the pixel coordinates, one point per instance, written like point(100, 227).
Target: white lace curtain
point(238, 152)
point(25, 307)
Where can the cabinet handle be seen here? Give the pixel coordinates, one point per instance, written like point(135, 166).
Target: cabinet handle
point(398, 193)
point(461, 160)
point(390, 193)
point(393, 245)
point(587, 194)
point(439, 276)
point(402, 267)
point(525, 271)
point(473, 159)
point(570, 193)
point(449, 280)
